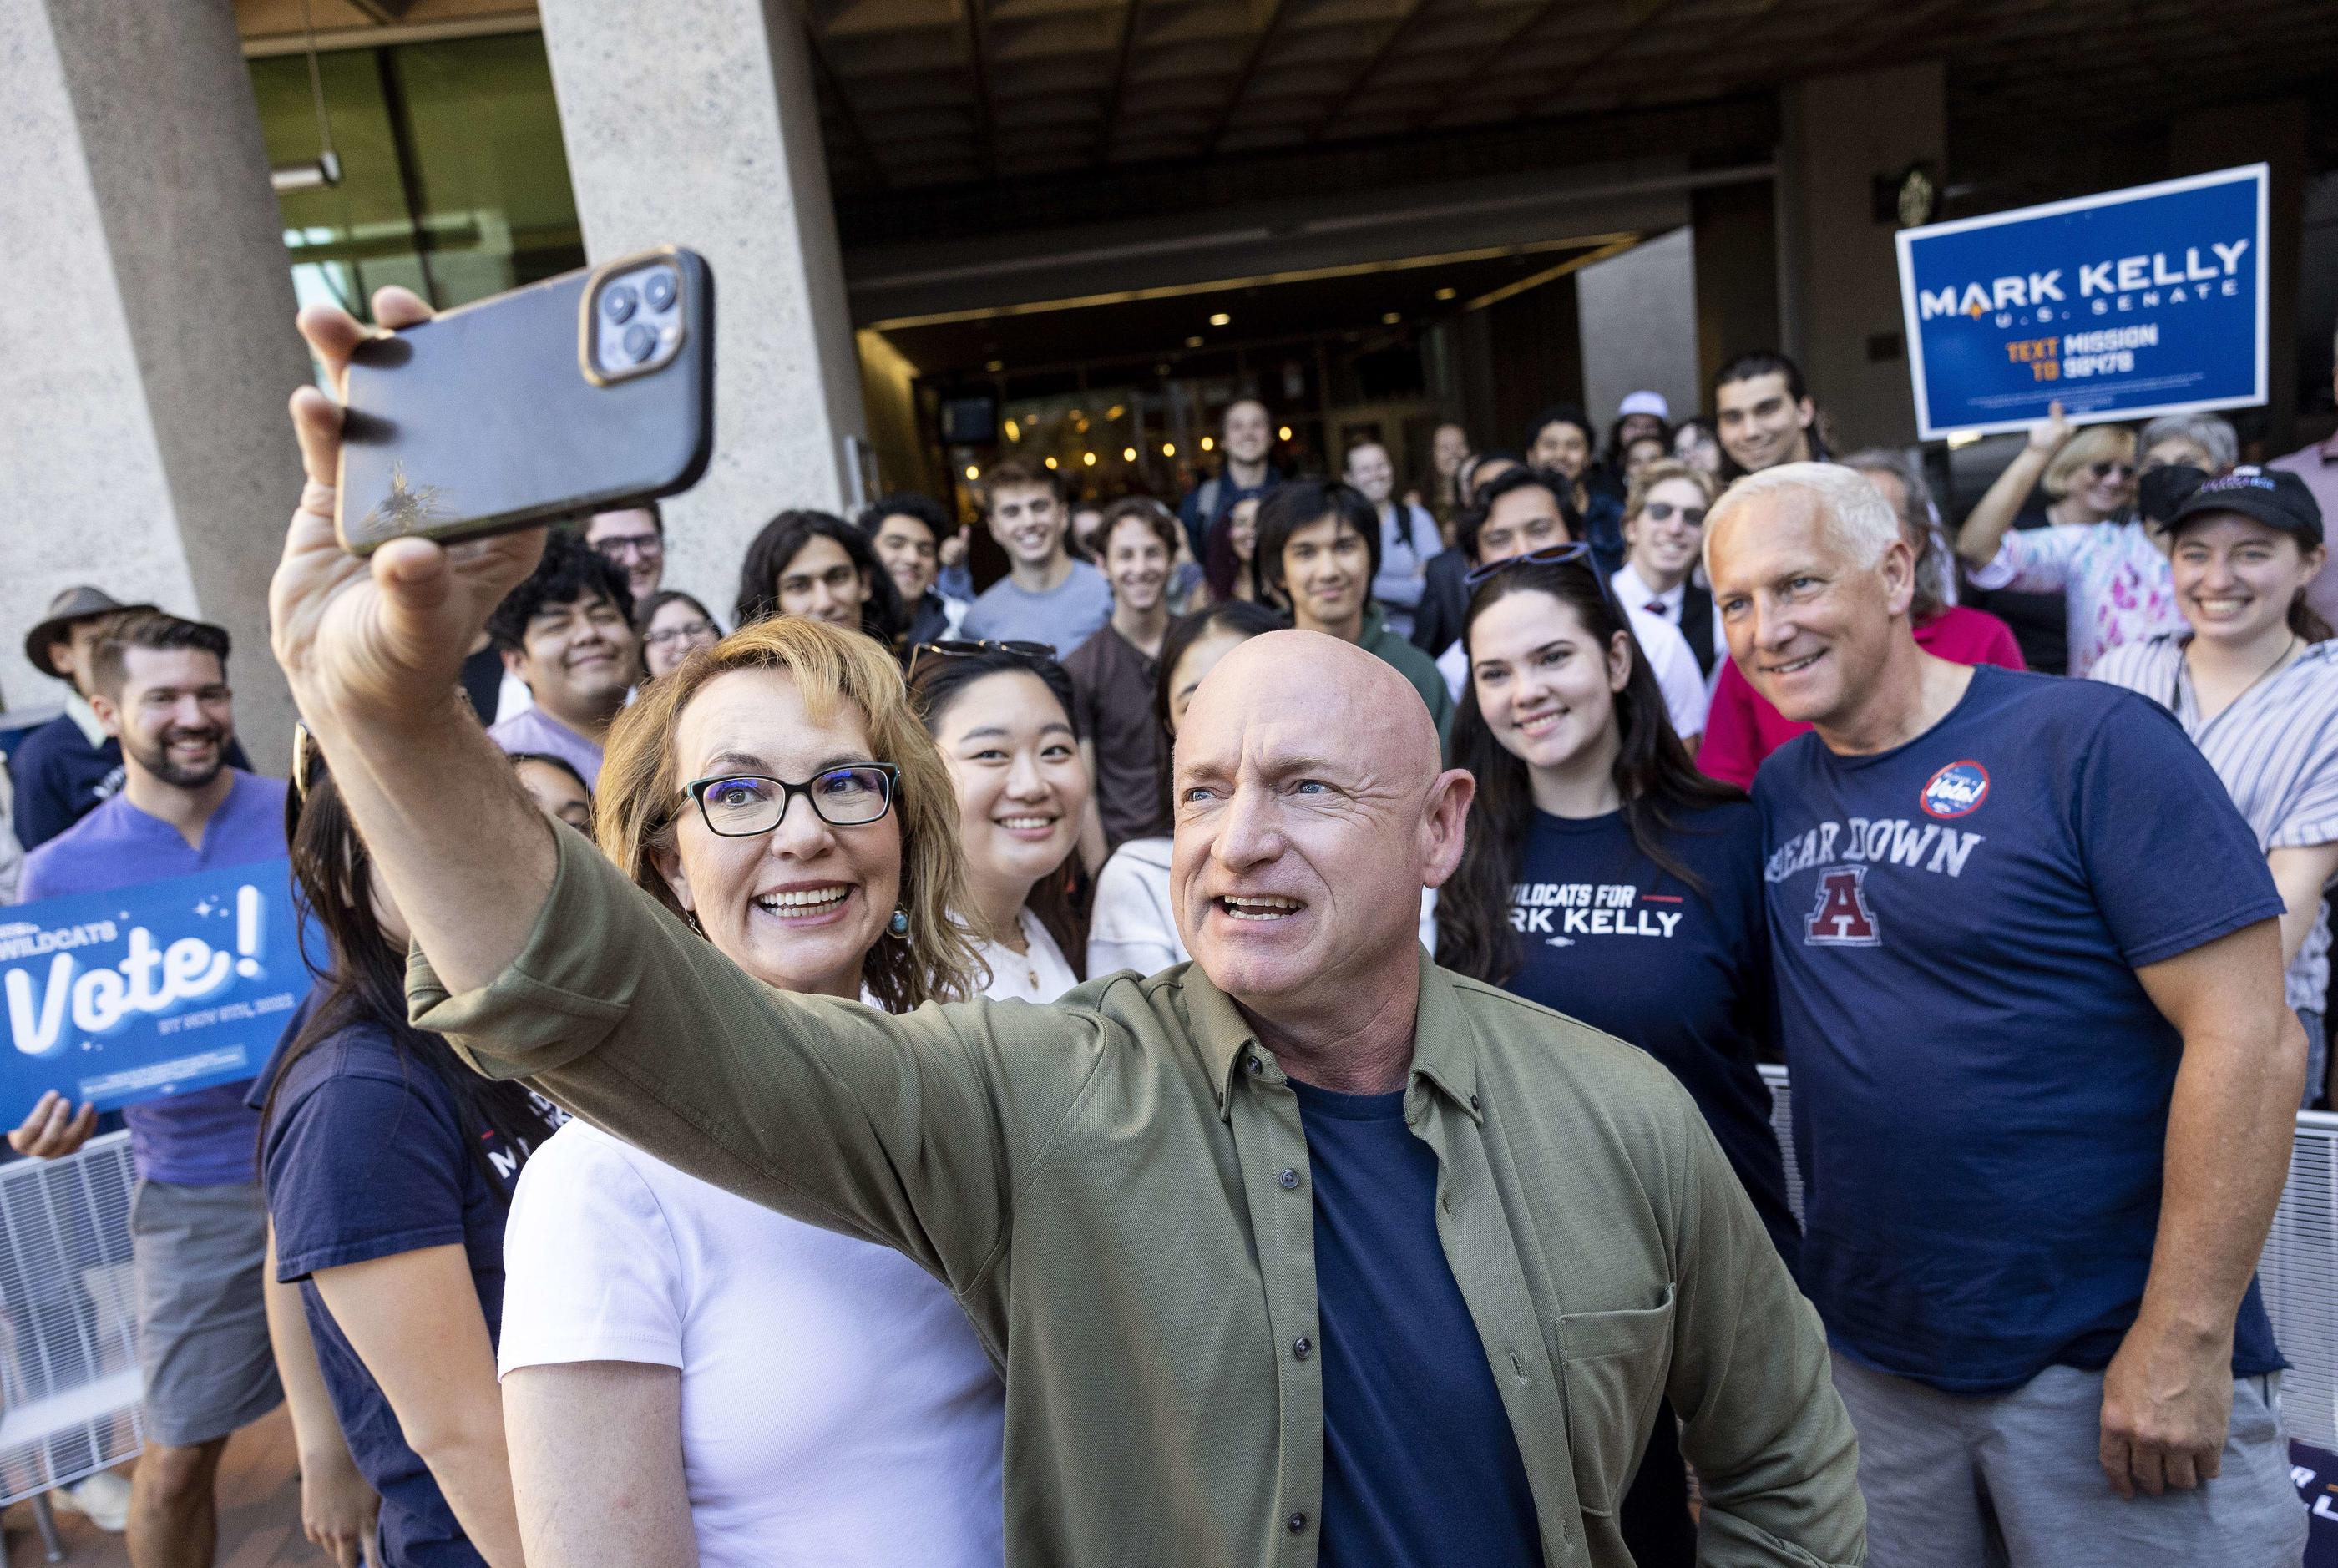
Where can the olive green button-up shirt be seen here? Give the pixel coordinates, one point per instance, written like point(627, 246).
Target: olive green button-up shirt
point(1115, 1189)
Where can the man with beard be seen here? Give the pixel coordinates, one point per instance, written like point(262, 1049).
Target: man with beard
point(567, 634)
point(197, 1227)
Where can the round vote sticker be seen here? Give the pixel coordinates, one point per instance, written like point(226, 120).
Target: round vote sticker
point(1956, 790)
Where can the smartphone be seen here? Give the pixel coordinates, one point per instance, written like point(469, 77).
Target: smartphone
point(588, 392)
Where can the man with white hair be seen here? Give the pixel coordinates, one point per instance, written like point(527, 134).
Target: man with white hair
point(2028, 970)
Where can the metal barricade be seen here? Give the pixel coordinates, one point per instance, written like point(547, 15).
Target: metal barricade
point(70, 1390)
point(2298, 1273)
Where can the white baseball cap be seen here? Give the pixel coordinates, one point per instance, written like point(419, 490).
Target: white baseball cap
point(1645, 403)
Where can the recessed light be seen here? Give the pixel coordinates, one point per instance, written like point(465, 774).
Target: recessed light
point(1446, 292)
point(1219, 319)
point(994, 365)
point(1194, 342)
point(1391, 318)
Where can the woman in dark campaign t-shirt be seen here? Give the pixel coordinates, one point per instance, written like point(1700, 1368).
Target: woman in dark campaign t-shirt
point(1608, 879)
point(388, 1169)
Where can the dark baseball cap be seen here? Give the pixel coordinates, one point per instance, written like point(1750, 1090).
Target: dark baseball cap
point(71, 605)
point(2266, 495)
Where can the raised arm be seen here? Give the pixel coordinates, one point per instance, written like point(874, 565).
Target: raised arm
point(1984, 528)
point(900, 1130)
point(1776, 1459)
point(372, 650)
point(2167, 1395)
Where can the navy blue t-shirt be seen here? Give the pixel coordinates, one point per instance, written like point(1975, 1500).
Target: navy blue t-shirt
point(1981, 1083)
point(1419, 1463)
point(368, 1156)
point(1608, 935)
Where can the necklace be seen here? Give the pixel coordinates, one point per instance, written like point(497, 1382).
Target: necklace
point(2183, 665)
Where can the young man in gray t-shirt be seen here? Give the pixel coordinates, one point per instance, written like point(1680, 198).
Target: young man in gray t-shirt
point(1045, 596)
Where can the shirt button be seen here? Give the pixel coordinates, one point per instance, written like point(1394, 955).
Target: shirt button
point(1473, 1104)
point(1295, 1524)
point(1300, 1347)
point(1290, 1179)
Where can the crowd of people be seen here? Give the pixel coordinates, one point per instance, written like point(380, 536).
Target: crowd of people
point(1239, 1042)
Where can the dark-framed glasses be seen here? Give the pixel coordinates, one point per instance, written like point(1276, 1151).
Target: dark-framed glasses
point(682, 632)
point(958, 649)
point(742, 805)
point(1548, 556)
point(1665, 511)
point(630, 547)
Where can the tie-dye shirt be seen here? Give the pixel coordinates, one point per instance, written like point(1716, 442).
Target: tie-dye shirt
point(2113, 578)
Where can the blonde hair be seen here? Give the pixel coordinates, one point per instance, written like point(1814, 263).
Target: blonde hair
point(2089, 444)
point(640, 797)
point(1658, 473)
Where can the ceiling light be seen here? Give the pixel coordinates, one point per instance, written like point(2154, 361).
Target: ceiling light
point(1088, 458)
point(1168, 448)
point(972, 471)
point(994, 365)
point(1283, 433)
point(1390, 318)
point(1209, 444)
point(1219, 319)
point(1128, 454)
point(1193, 342)
point(1051, 462)
point(1014, 431)
point(1446, 293)
point(1114, 411)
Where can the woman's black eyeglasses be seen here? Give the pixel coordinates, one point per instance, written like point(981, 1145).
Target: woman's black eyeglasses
point(1548, 556)
point(964, 650)
point(742, 805)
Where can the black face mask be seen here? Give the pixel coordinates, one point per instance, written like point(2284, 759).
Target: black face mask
point(2158, 492)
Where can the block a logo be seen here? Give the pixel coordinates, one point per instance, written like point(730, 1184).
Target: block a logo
point(1841, 917)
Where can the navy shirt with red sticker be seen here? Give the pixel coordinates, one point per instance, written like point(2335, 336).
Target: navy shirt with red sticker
point(1981, 1082)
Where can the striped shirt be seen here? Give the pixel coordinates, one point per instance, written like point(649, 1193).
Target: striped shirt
point(2276, 750)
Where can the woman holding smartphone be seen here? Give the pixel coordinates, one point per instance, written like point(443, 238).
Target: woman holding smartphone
point(1001, 713)
point(388, 1166)
point(1604, 877)
point(689, 1378)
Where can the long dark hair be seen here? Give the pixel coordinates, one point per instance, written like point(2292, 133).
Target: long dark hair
point(782, 538)
point(936, 680)
point(360, 980)
point(1653, 773)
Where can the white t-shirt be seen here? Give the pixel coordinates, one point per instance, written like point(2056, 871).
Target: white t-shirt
point(1042, 974)
point(1669, 658)
point(836, 1407)
point(1133, 926)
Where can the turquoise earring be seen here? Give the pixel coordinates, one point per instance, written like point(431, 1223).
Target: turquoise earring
point(900, 923)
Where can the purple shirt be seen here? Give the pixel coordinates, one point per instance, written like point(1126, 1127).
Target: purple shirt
point(205, 1137)
point(535, 731)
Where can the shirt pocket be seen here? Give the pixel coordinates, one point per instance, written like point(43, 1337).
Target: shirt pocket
point(1612, 1366)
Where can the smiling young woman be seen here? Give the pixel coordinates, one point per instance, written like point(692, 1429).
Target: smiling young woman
point(1002, 716)
point(1603, 874)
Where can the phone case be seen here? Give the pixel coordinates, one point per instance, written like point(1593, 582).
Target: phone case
point(493, 415)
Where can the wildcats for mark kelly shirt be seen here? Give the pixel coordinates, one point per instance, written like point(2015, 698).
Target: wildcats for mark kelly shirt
point(1980, 1081)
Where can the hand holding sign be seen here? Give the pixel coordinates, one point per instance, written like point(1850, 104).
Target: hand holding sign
point(53, 1129)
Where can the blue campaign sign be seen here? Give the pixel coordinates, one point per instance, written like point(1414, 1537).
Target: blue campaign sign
point(2118, 306)
point(147, 991)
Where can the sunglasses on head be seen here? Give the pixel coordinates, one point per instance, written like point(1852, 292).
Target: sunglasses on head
point(1031, 653)
point(1548, 556)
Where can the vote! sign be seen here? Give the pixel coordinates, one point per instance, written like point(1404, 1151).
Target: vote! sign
point(2118, 307)
point(129, 996)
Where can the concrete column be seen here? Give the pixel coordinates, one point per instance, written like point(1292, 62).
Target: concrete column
point(1639, 326)
point(693, 123)
point(1840, 288)
point(143, 433)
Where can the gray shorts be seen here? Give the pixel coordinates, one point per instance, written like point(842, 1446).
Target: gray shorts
point(202, 1323)
point(2013, 1480)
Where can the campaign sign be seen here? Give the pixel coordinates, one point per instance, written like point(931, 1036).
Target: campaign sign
point(129, 996)
point(2118, 307)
